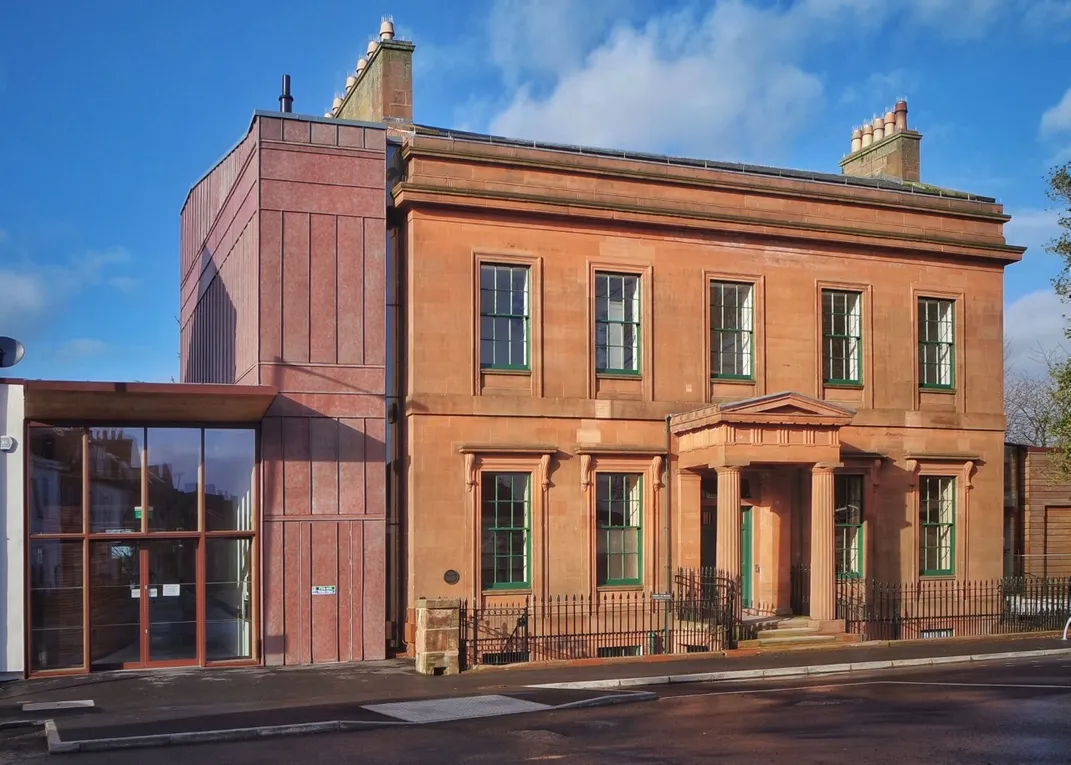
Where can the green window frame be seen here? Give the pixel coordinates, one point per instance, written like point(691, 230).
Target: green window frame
point(619, 519)
point(505, 316)
point(842, 337)
point(732, 330)
point(617, 323)
point(505, 526)
point(848, 525)
point(937, 343)
point(937, 525)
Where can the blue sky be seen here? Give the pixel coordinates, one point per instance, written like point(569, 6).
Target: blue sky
point(110, 110)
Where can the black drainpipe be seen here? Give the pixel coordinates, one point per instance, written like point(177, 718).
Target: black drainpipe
point(669, 509)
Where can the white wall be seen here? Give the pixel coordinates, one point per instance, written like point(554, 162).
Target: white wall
point(13, 564)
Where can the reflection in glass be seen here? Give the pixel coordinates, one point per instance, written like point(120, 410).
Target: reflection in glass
point(172, 593)
point(228, 598)
point(115, 479)
point(55, 480)
point(114, 604)
point(229, 459)
point(55, 604)
point(174, 456)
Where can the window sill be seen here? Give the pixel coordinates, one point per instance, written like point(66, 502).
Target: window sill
point(613, 375)
point(620, 587)
point(843, 385)
point(937, 389)
point(521, 589)
point(937, 577)
point(505, 371)
point(732, 380)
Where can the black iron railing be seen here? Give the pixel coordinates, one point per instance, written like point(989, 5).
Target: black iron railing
point(702, 613)
point(945, 608)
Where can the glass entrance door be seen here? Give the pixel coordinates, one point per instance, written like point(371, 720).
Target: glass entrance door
point(142, 603)
point(115, 600)
point(171, 581)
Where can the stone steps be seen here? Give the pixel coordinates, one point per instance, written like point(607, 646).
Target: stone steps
point(793, 633)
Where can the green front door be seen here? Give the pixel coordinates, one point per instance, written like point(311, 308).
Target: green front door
point(746, 562)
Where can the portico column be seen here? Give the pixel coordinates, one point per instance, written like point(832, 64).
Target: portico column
point(823, 602)
point(728, 549)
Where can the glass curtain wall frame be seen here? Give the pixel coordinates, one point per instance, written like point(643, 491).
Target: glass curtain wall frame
point(222, 596)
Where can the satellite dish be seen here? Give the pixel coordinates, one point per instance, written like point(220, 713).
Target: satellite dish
point(11, 352)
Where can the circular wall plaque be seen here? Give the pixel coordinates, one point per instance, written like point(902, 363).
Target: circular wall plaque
point(451, 577)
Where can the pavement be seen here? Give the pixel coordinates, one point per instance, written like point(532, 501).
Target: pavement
point(168, 707)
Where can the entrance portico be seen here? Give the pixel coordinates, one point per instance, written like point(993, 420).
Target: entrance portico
point(765, 436)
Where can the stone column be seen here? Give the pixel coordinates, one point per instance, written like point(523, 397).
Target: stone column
point(728, 550)
point(823, 574)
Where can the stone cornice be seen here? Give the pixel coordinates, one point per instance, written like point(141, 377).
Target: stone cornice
point(601, 167)
point(409, 193)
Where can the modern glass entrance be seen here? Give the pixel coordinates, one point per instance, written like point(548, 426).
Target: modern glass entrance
point(142, 544)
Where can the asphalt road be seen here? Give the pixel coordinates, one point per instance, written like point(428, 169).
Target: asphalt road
point(989, 713)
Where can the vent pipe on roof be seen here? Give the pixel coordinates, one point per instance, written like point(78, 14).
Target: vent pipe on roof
point(286, 101)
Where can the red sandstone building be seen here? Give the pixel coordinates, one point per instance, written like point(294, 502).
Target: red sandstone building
point(422, 363)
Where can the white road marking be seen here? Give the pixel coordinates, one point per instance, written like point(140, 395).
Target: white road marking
point(975, 685)
point(859, 684)
point(768, 690)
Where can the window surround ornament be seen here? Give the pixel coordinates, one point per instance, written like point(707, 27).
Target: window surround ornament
point(473, 453)
point(968, 466)
point(589, 454)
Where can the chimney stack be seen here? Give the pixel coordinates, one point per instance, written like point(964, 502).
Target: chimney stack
point(382, 85)
point(885, 148)
point(286, 102)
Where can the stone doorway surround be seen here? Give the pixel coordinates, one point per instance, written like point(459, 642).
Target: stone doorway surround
point(780, 429)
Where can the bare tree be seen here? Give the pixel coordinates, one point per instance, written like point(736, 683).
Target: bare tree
point(1030, 405)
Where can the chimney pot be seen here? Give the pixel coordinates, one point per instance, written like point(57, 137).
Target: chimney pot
point(857, 140)
point(329, 115)
point(336, 104)
point(361, 65)
point(879, 129)
point(901, 115)
point(372, 46)
point(868, 135)
point(351, 81)
point(890, 124)
point(386, 30)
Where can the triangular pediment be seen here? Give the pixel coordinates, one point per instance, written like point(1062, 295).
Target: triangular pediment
point(788, 407)
point(787, 403)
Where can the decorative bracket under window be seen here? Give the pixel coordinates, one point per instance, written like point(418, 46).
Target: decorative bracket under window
point(470, 471)
point(544, 471)
point(969, 469)
point(912, 472)
point(585, 472)
point(875, 473)
point(656, 468)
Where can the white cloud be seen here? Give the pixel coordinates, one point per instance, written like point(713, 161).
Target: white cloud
point(34, 293)
point(1057, 118)
point(717, 83)
point(1035, 324)
point(956, 19)
point(126, 284)
point(547, 36)
point(81, 348)
point(1032, 229)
